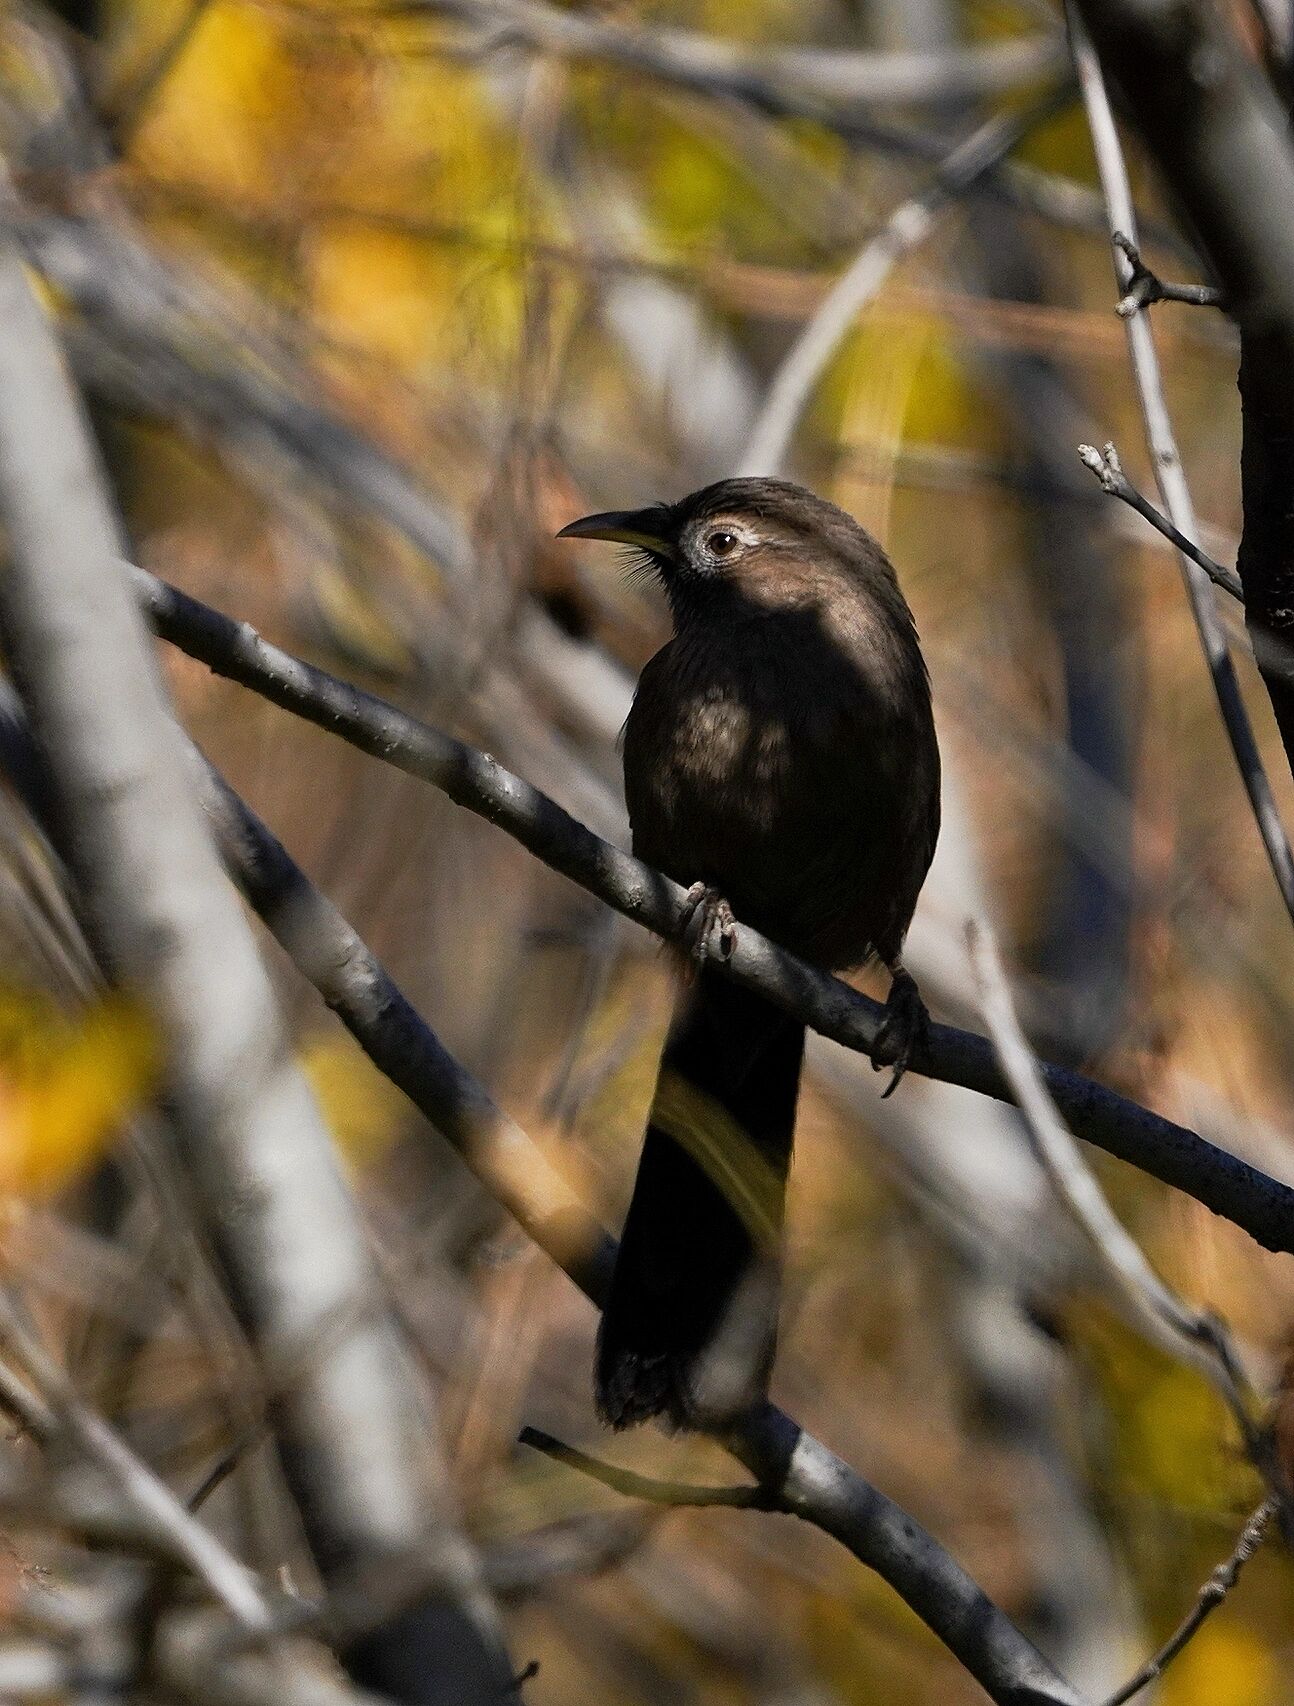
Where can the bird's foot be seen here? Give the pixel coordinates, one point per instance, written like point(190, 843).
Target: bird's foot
point(904, 1029)
point(707, 919)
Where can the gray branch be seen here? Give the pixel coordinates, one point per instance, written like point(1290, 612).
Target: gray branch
point(1108, 469)
point(794, 1472)
point(253, 1149)
point(1169, 1152)
point(837, 87)
point(1193, 1336)
point(1209, 1598)
point(909, 224)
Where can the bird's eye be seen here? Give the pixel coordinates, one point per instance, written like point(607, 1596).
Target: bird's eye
point(721, 543)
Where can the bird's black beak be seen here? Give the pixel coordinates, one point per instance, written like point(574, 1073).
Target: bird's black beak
point(645, 528)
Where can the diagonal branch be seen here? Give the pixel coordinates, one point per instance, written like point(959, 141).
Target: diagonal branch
point(1210, 1597)
point(1272, 650)
point(1169, 1152)
point(1198, 1338)
point(1108, 469)
point(251, 1146)
point(794, 1472)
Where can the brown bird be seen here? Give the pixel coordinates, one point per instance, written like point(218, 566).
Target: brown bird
point(780, 759)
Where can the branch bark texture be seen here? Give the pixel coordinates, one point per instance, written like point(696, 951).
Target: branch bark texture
point(1169, 1152)
point(796, 1473)
point(255, 1154)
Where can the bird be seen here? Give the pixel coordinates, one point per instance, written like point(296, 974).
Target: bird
point(780, 763)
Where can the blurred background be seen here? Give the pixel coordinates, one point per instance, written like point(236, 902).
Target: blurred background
point(368, 300)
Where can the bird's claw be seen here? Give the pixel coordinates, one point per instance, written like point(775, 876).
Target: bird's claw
point(708, 918)
point(904, 1029)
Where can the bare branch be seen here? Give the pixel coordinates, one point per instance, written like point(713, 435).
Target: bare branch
point(1199, 1339)
point(1272, 651)
point(1211, 1595)
point(1225, 1184)
point(256, 1155)
point(1145, 287)
point(1109, 472)
point(1167, 464)
point(909, 224)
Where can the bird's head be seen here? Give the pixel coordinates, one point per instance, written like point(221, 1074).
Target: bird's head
point(767, 542)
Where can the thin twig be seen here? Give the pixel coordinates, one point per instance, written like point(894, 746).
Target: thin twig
point(1172, 1323)
point(221, 1470)
point(909, 224)
point(1211, 1595)
point(1272, 651)
point(1145, 287)
point(1167, 463)
point(635, 1486)
point(1108, 469)
point(184, 1538)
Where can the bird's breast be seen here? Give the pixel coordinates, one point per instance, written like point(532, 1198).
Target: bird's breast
point(725, 745)
point(767, 771)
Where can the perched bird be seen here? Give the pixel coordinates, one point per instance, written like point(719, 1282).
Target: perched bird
point(780, 760)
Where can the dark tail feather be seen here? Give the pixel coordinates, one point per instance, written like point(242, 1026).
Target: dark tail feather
point(689, 1327)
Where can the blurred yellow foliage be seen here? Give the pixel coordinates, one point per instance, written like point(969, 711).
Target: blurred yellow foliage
point(66, 1085)
point(364, 1111)
point(1173, 1440)
point(1223, 1666)
point(208, 121)
point(900, 380)
point(372, 286)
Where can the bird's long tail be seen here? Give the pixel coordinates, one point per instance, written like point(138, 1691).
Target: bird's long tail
point(689, 1328)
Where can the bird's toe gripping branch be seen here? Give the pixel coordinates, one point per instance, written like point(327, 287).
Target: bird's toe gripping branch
point(904, 1030)
point(709, 919)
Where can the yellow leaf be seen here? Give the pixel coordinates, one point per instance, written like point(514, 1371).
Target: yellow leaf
point(364, 1110)
point(1223, 1666)
point(213, 114)
point(66, 1085)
